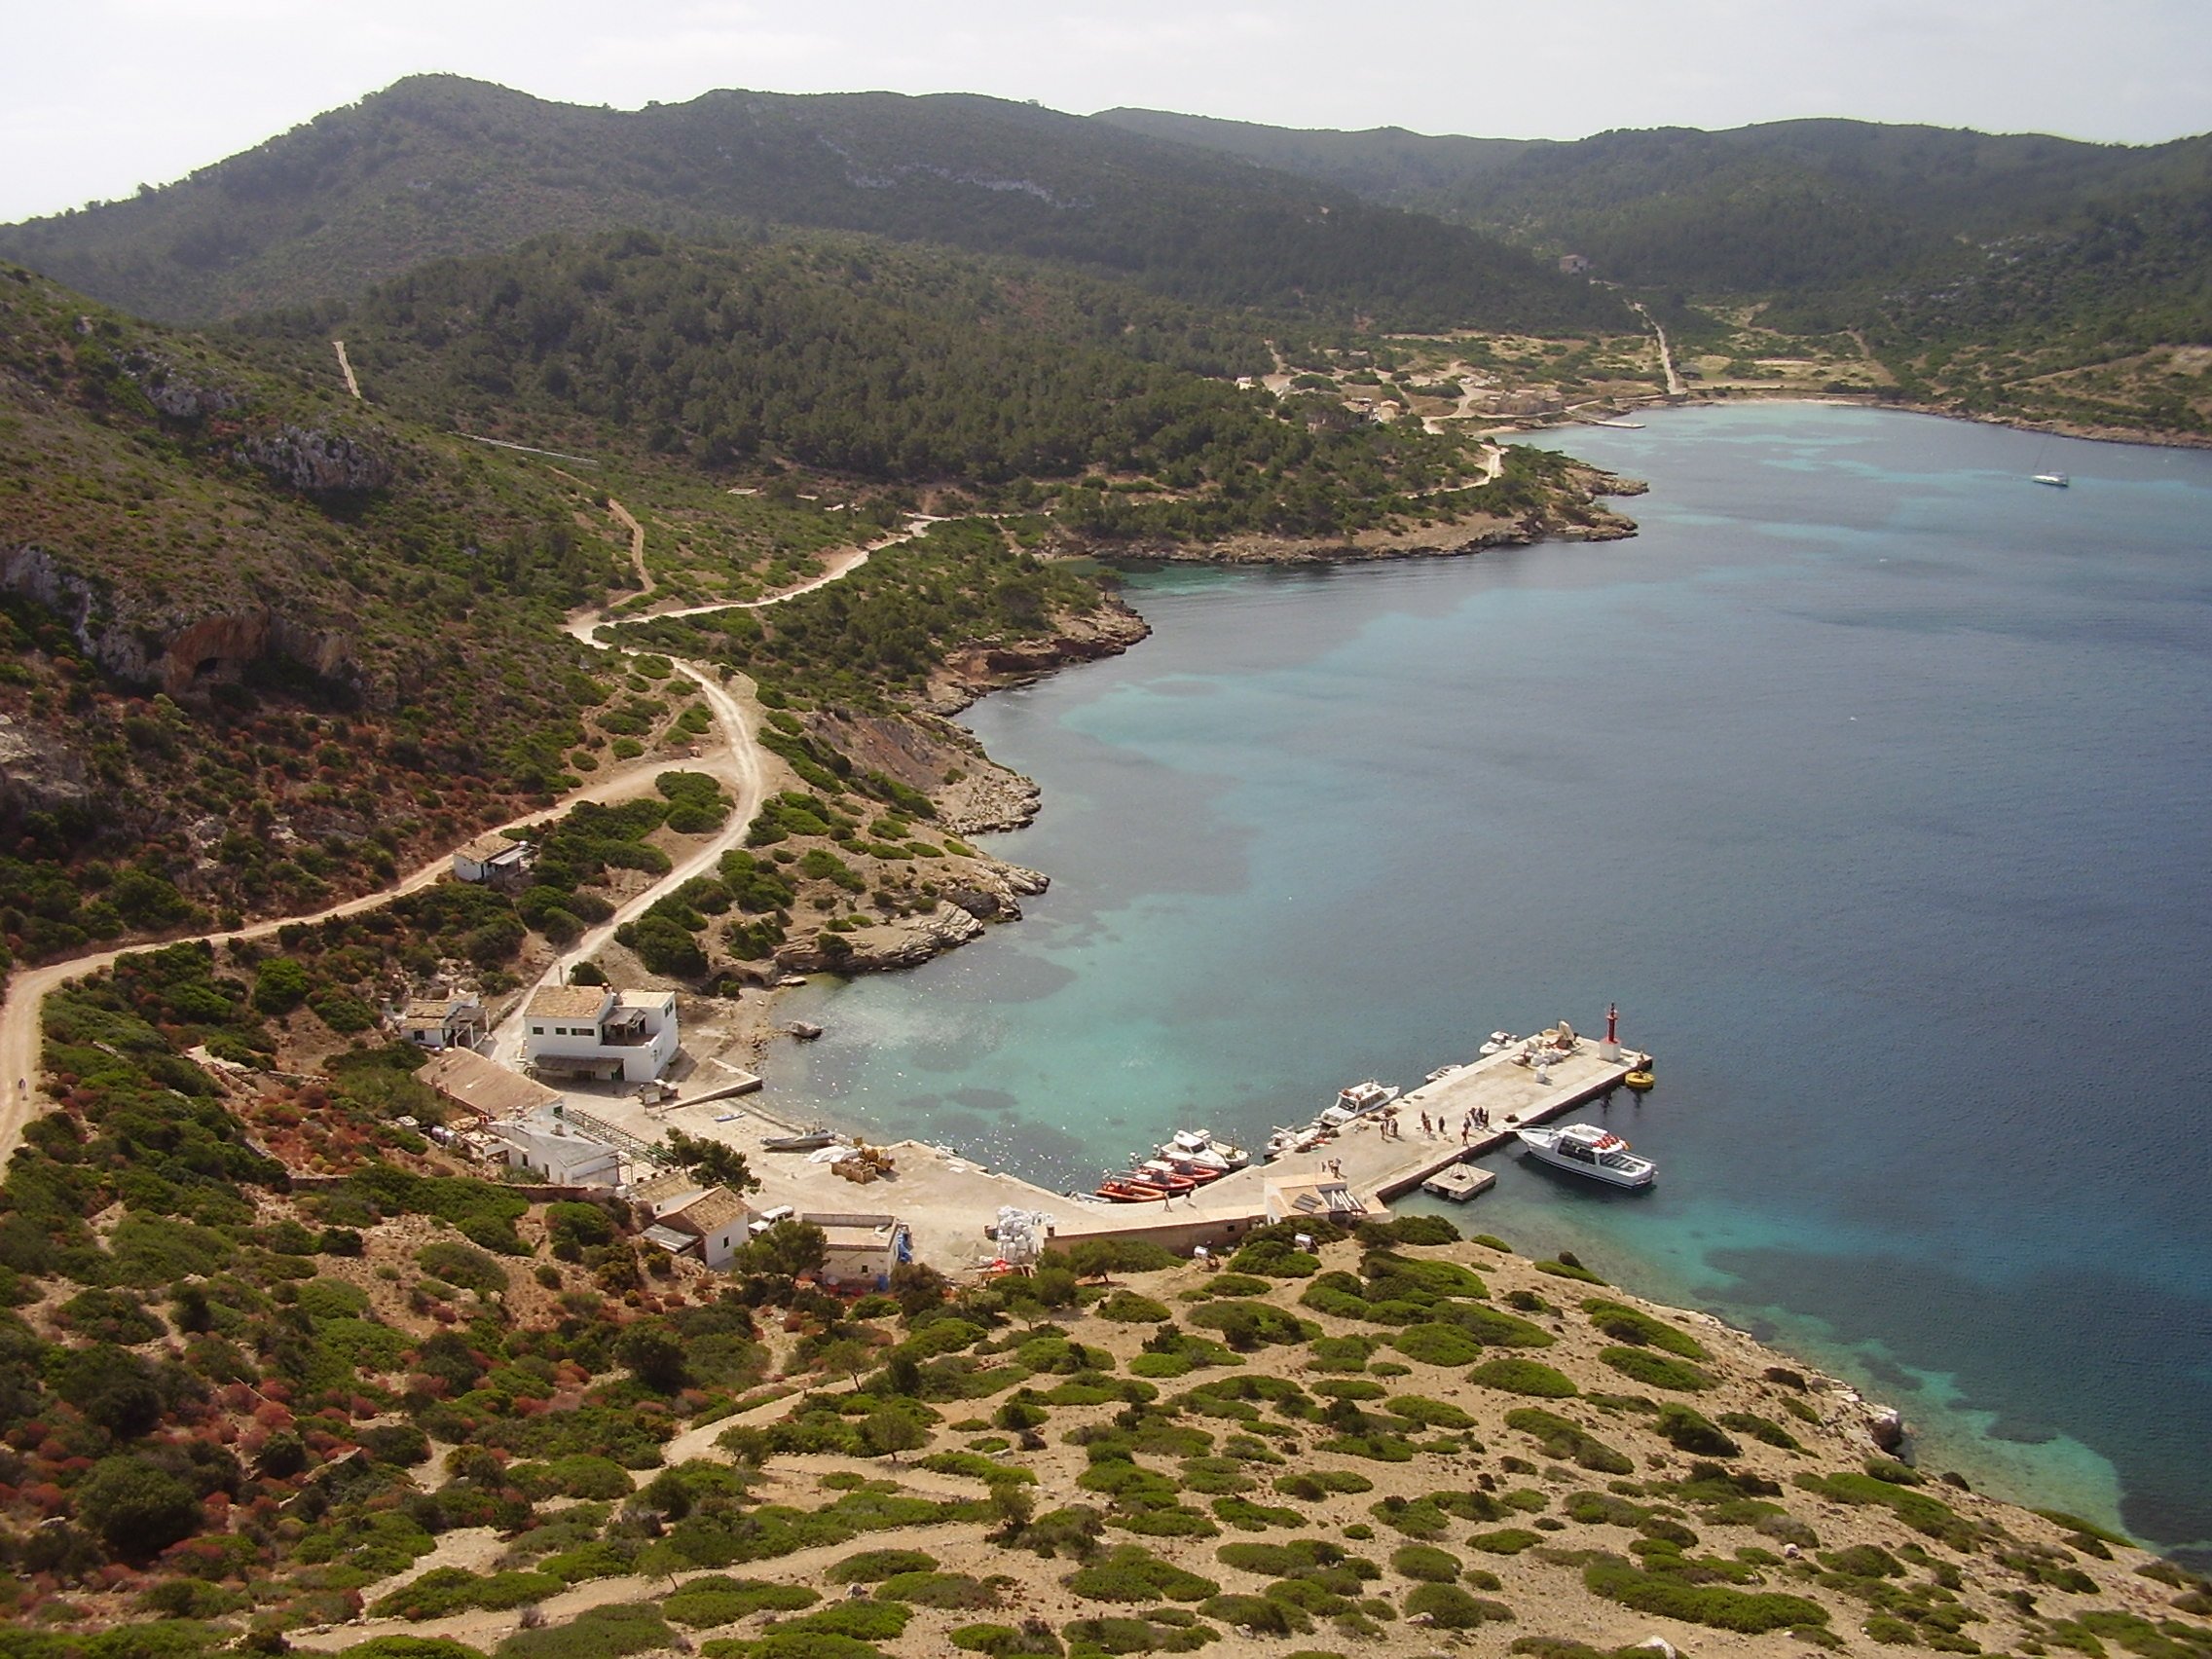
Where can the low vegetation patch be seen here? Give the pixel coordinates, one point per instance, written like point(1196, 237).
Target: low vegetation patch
point(1517, 1375)
point(1654, 1371)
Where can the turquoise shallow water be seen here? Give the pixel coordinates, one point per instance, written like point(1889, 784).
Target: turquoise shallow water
point(1869, 779)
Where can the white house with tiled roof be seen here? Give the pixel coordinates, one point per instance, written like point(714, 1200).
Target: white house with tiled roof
point(708, 1225)
point(598, 1031)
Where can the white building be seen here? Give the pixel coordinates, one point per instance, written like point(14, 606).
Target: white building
point(439, 1023)
point(708, 1227)
point(492, 859)
point(858, 1251)
point(557, 1155)
point(598, 1031)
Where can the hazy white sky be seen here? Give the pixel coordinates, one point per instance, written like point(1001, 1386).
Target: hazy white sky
point(98, 95)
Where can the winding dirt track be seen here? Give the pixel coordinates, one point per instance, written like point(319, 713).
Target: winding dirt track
point(735, 761)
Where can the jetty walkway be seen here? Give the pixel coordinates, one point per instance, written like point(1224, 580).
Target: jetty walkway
point(948, 1199)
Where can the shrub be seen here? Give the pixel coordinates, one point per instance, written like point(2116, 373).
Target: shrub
point(1517, 1375)
point(1127, 1306)
point(1713, 1605)
point(949, 1590)
point(1924, 1514)
point(135, 1509)
point(410, 1647)
point(1447, 1606)
point(462, 1265)
point(1762, 1428)
point(1627, 1324)
point(1494, 1328)
point(863, 1620)
point(1690, 1431)
point(592, 1634)
point(1656, 1371)
point(1004, 1642)
point(717, 1599)
point(870, 1567)
point(1275, 1259)
point(1506, 1541)
point(1262, 1614)
point(1563, 1439)
point(1436, 1344)
point(1566, 1267)
point(1130, 1572)
point(1426, 1563)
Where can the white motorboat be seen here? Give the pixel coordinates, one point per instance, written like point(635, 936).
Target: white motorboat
point(2056, 480)
point(1499, 1041)
point(1358, 1101)
point(1201, 1149)
point(1585, 1149)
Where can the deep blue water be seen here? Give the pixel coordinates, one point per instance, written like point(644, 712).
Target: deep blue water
point(1870, 779)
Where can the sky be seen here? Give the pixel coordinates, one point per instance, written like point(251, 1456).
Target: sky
point(99, 96)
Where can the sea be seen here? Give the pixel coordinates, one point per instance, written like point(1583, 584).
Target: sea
point(1869, 779)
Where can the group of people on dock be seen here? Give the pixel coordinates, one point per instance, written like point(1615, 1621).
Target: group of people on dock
point(1436, 1129)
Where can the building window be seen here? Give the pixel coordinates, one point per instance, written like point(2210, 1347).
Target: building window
point(537, 1030)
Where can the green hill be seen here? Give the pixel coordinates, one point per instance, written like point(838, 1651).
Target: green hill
point(439, 166)
point(259, 644)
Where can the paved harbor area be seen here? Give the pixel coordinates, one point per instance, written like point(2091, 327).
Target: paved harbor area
point(947, 1201)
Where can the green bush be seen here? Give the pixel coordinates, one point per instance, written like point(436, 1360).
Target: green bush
point(1506, 1541)
point(1517, 1375)
point(1712, 1604)
point(864, 1620)
point(1656, 1371)
point(596, 1632)
point(1264, 1615)
point(1436, 1344)
point(946, 1590)
point(1004, 1642)
point(461, 1265)
point(1627, 1324)
point(719, 1600)
point(1568, 1268)
point(1129, 1572)
point(1127, 1306)
point(1690, 1431)
point(1447, 1606)
point(1494, 1328)
point(135, 1509)
point(870, 1567)
point(1762, 1428)
point(410, 1647)
point(1569, 1441)
point(1426, 1563)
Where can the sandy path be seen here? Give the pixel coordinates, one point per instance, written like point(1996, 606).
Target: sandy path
point(1675, 386)
point(346, 368)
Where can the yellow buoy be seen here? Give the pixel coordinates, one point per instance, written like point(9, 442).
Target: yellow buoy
point(1640, 1081)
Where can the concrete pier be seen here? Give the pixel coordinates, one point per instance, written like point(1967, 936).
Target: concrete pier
point(947, 1201)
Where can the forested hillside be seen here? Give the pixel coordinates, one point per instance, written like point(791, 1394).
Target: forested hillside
point(439, 166)
point(2015, 275)
point(881, 362)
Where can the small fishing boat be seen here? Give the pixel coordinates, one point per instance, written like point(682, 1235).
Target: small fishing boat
point(1585, 1149)
point(814, 1140)
point(1499, 1043)
point(2056, 480)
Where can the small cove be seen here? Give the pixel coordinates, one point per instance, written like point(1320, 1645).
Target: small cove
point(1869, 779)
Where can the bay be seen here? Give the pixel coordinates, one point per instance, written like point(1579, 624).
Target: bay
point(1870, 780)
